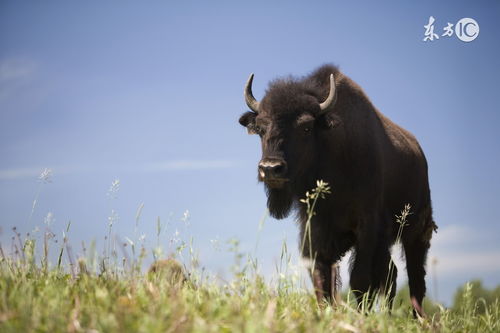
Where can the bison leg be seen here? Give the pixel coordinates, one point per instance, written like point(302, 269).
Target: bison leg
point(361, 275)
point(388, 282)
point(321, 276)
point(416, 254)
point(384, 272)
point(336, 284)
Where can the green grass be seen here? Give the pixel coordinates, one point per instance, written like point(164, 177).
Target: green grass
point(107, 293)
point(34, 300)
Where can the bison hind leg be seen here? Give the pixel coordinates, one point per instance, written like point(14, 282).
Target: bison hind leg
point(384, 273)
point(416, 255)
point(389, 286)
point(416, 245)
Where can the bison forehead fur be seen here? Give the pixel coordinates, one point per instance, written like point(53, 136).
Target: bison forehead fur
point(323, 126)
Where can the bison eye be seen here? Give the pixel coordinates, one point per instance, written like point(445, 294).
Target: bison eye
point(259, 130)
point(307, 130)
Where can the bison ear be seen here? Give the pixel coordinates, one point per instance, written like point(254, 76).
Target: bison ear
point(330, 120)
point(247, 120)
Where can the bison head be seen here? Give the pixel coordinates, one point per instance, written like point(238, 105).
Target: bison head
point(290, 120)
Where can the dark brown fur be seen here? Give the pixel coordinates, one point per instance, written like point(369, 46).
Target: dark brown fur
point(373, 166)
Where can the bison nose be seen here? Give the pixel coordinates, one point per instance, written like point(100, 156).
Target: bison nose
point(269, 169)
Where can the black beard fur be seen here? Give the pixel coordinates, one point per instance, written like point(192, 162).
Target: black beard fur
point(279, 201)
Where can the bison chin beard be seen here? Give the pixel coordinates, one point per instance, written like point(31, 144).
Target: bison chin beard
point(279, 201)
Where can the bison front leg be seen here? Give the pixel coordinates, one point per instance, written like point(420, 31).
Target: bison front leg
point(325, 279)
point(336, 284)
point(361, 273)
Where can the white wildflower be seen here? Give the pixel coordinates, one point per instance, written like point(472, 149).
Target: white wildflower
point(215, 243)
point(45, 176)
point(114, 188)
point(49, 219)
point(175, 238)
point(112, 218)
point(185, 217)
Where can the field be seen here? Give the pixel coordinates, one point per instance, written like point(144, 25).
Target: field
point(108, 292)
point(119, 298)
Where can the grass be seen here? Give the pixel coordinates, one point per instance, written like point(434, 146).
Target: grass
point(55, 301)
point(105, 293)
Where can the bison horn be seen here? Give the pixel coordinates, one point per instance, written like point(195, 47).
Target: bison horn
point(325, 106)
point(252, 103)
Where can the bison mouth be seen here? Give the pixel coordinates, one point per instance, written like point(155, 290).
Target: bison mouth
point(275, 182)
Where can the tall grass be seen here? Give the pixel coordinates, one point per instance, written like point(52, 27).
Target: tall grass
point(56, 300)
point(88, 293)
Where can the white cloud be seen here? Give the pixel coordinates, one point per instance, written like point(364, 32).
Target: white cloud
point(460, 249)
point(190, 165)
point(14, 74)
point(20, 173)
point(455, 235)
point(36, 172)
point(478, 262)
point(15, 69)
point(173, 165)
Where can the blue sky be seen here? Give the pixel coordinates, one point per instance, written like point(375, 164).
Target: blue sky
point(150, 94)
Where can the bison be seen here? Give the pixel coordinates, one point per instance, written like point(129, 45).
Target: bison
point(324, 127)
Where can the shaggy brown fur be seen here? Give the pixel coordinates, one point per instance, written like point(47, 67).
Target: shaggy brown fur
point(374, 168)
